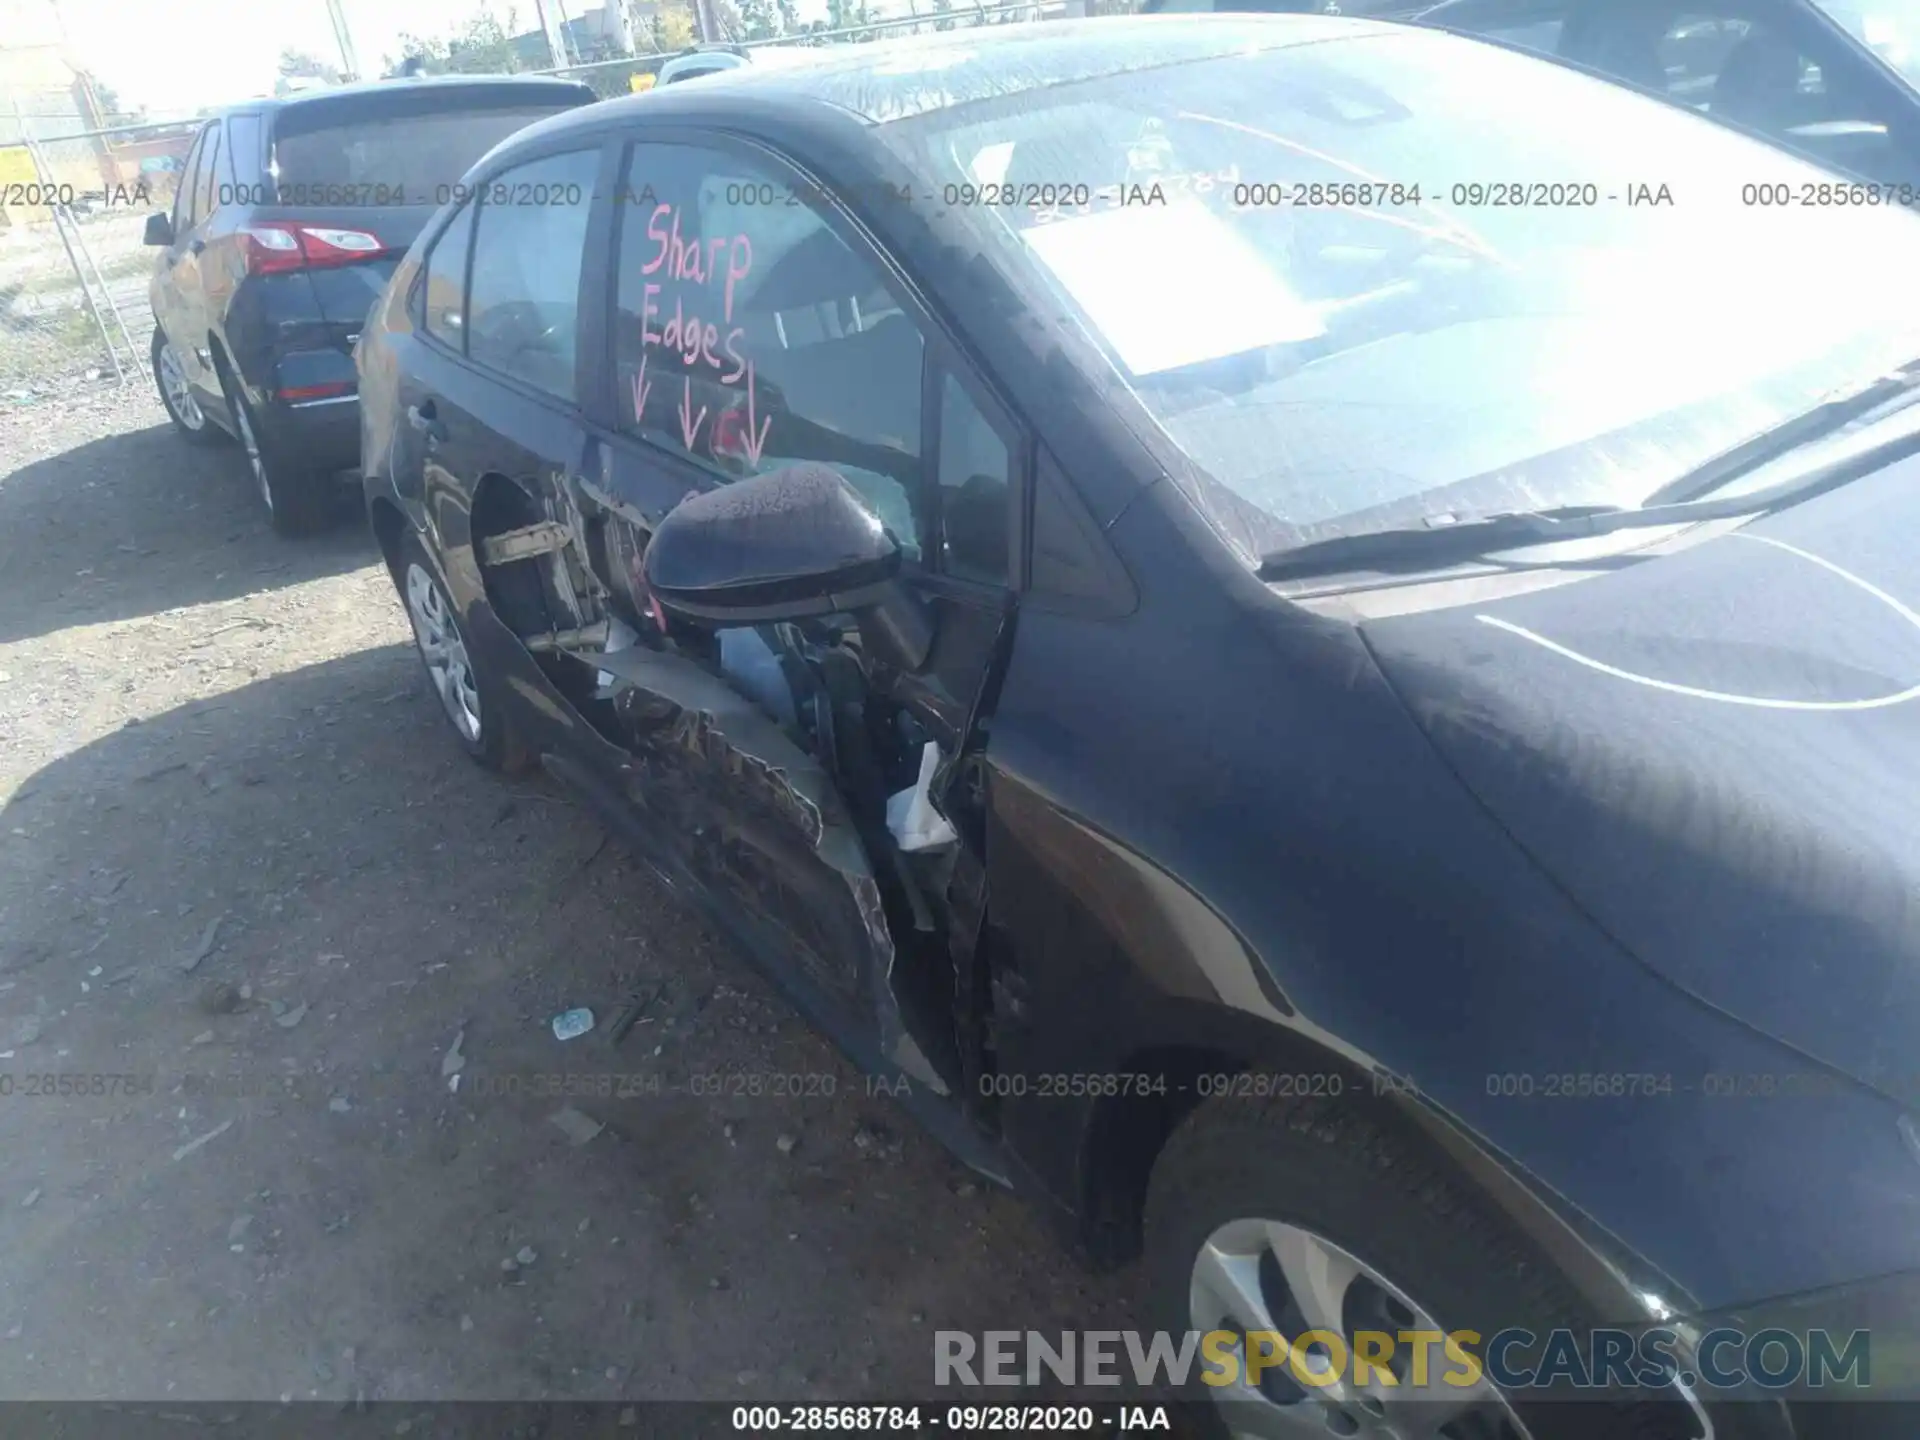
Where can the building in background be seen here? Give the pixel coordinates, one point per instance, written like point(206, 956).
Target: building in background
point(43, 94)
point(602, 32)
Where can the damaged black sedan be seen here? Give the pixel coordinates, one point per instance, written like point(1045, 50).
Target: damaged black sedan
point(1343, 733)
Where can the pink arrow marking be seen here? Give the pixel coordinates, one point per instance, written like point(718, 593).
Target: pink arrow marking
point(755, 440)
point(641, 389)
point(689, 422)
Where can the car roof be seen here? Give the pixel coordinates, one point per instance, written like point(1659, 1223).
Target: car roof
point(891, 80)
point(527, 86)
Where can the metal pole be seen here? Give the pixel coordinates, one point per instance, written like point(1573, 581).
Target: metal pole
point(45, 179)
point(106, 291)
point(343, 37)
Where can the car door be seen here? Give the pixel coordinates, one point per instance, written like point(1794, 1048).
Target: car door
point(179, 305)
point(490, 391)
point(755, 326)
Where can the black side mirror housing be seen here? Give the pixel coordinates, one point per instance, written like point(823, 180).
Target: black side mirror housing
point(786, 545)
point(159, 229)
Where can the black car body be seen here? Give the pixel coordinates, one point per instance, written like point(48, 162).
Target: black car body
point(1569, 881)
point(289, 219)
point(1835, 80)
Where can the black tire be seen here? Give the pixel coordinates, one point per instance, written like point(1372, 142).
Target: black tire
point(194, 426)
point(1324, 1166)
point(497, 745)
point(300, 499)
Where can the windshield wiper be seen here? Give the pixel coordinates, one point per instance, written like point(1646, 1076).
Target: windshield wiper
point(1434, 544)
point(1442, 540)
point(1802, 429)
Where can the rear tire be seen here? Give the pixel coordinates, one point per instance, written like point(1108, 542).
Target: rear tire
point(1427, 1252)
point(468, 695)
point(299, 498)
point(177, 397)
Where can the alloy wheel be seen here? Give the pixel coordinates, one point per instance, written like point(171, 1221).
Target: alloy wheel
point(444, 652)
point(1265, 1275)
point(173, 383)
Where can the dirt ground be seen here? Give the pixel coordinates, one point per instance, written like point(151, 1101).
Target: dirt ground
point(248, 882)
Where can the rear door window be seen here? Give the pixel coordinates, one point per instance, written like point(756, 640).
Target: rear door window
point(444, 304)
point(530, 233)
point(408, 159)
point(750, 335)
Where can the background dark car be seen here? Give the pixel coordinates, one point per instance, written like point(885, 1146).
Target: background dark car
point(1835, 80)
point(290, 217)
point(1331, 743)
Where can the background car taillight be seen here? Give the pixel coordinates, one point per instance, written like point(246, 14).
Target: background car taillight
point(273, 248)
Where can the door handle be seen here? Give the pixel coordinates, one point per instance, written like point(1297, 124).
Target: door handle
point(423, 419)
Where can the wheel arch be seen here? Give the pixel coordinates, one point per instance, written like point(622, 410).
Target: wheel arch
point(389, 525)
point(1121, 1142)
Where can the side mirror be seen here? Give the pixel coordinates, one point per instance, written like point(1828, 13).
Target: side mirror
point(159, 229)
point(785, 545)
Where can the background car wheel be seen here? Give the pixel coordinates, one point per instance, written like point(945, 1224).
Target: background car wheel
point(176, 395)
point(299, 499)
point(466, 695)
point(1289, 1215)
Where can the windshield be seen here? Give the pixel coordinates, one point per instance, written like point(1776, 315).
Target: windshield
point(1404, 274)
point(1889, 28)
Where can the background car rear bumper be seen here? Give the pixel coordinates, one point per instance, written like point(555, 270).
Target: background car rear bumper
point(325, 431)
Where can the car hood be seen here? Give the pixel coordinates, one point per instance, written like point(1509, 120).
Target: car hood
point(1716, 753)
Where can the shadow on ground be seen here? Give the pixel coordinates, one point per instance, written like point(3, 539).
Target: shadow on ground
point(141, 522)
point(271, 913)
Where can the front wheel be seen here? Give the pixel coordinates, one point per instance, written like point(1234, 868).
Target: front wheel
point(466, 695)
point(1275, 1219)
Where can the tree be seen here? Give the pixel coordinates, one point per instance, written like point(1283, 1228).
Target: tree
point(760, 20)
point(845, 14)
point(482, 46)
point(673, 28)
point(304, 64)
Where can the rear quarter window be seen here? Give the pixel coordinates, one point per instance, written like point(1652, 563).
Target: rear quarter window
point(411, 159)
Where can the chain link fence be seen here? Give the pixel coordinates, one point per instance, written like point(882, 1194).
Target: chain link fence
point(74, 270)
point(73, 265)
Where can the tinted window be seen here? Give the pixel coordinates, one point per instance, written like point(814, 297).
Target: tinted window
point(1769, 75)
point(404, 159)
point(203, 185)
point(445, 301)
point(975, 483)
point(750, 335)
point(185, 186)
point(523, 301)
point(243, 148)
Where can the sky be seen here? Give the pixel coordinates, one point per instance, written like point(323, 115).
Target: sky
point(176, 58)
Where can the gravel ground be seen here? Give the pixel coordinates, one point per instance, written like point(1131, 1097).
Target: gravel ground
point(247, 881)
